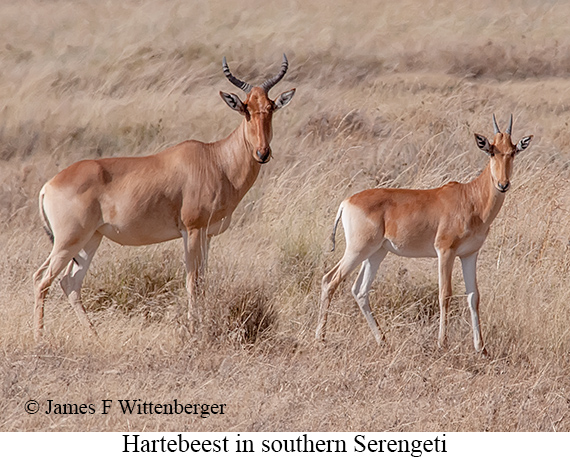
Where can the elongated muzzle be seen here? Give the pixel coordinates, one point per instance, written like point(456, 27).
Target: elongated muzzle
point(263, 155)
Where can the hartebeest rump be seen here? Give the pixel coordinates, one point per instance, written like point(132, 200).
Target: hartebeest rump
point(189, 190)
point(447, 222)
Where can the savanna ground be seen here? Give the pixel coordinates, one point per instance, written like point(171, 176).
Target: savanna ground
point(388, 94)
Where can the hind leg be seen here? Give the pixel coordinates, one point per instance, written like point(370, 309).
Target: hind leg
point(361, 288)
point(330, 283)
point(74, 275)
point(43, 278)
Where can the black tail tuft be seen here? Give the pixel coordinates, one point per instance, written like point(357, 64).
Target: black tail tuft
point(49, 233)
point(45, 220)
point(333, 236)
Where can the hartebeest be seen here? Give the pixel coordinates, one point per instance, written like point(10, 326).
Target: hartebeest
point(189, 190)
point(447, 222)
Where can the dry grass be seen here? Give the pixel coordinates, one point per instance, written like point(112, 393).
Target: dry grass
point(389, 93)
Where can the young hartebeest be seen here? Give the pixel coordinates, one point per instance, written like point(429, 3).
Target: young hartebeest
point(189, 190)
point(447, 222)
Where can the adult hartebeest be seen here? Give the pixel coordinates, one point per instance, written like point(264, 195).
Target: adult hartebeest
point(189, 190)
point(447, 222)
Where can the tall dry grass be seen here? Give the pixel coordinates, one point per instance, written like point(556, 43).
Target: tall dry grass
point(389, 94)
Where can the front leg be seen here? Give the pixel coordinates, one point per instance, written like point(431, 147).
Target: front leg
point(196, 243)
point(469, 266)
point(445, 259)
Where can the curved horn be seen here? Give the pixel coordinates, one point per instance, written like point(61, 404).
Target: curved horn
point(495, 126)
point(236, 82)
point(267, 85)
point(510, 127)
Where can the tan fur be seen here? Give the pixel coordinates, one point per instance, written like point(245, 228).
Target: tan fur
point(189, 190)
point(447, 222)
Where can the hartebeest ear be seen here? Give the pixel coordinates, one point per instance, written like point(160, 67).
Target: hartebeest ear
point(234, 102)
point(483, 143)
point(284, 99)
point(523, 144)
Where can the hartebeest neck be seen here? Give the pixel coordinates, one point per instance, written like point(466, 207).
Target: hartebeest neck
point(484, 196)
point(235, 158)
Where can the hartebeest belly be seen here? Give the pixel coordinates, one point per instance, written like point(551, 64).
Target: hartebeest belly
point(412, 223)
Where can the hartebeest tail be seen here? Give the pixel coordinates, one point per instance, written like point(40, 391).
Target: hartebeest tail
point(336, 221)
point(45, 221)
point(447, 222)
point(189, 190)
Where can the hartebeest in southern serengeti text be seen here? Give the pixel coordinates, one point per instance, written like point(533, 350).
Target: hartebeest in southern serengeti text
point(447, 222)
point(189, 190)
